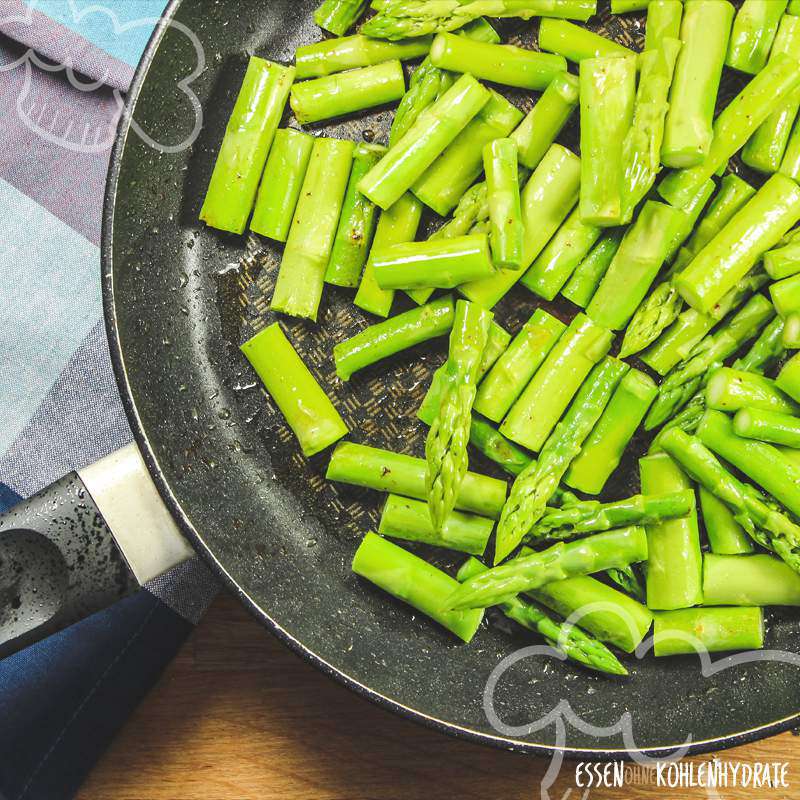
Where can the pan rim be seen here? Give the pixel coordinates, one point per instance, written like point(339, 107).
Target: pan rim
point(181, 517)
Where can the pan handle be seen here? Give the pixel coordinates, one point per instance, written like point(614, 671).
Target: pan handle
point(80, 545)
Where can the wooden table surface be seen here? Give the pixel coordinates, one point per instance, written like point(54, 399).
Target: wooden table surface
point(237, 716)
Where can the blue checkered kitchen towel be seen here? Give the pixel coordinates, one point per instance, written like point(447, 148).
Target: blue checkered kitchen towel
point(64, 68)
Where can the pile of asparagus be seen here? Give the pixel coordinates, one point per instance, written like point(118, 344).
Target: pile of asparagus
point(690, 269)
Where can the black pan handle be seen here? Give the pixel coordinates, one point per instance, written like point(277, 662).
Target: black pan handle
point(80, 545)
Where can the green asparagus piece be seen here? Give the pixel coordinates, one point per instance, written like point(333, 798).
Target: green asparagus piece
point(589, 273)
point(514, 369)
point(245, 146)
point(768, 91)
point(404, 518)
point(731, 389)
point(635, 266)
point(392, 336)
point(766, 350)
point(642, 146)
point(486, 439)
point(768, 426)
point(725, 534)
point(654, 315)
point(663, 22)
point(396, 225)
point(788, 380)
point(559, 259)
point(280, 187)
point(760, 461)
point(733, 252)
point(606, 613)
point(753, 33)
point(446, 444)
point(433, 131)
point(575, 43)
point(785, 295)
point(627, 578)
point(500, 63)
point(674, 563)
point(790, 165)
point(400, 18)
point(767, 526)
point(356, 224)
point(540, 406)
point(569, 639)
point(563, 560)
point(602, 451)
point(546, 119)
point(395, 473)
point(413, 581)
point(352, 52)
point(760, 580)
point(536, 484)
point(301, 400)
point(298, 289)
point(435, 263)
point(783, 261)
point(338, 16)
point(590, 516)
point(445, 182)
point(607, 94)
point(690, 214)
point(505, 207)
point(707, 630)
point(687, 419)
point(547, 199)
point(686, 377)
point(791, 331)
point(767, 146)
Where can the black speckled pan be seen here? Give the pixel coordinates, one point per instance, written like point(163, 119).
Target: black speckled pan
point(180, 299)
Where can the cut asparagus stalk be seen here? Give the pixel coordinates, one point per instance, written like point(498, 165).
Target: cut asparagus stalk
point(790, 165)
point(414, 581)
point(559, 259)
point(760, 580)
point(424, 142)
point(301, 400)
point(767, 146)
point(707, 630)
point(356, 224)
point(788, 380)
point(791, 331)
point(352, 52)
point(608, 614)
point(540, 406)
point(785, 295)
point(569, 639)
point(507, 236)
point(280, 187)
point(766, 350)
point(546, 119)
point(753, 33)
point(725, 534)
point(691, 213)
point(396, 473)
point(298, 289)
point(635, 266)
point(404, 518)
point(563, 560)
point(547, 199)
point(602, 451)
point(732, 389)
point(607, 94)
point(535, 485)
point(774, 427)
point(245, 146)
point(445, 182)
point(338, 16)
point(674, 563)
point(575, 43)
point(396, 225)
point(392, 336)
point(500, 63)
point(663, 22)
point(514, 369)
point(733, 252)
point(589, 273)
point(767, 92)
point(783, 261)
point(486, 439)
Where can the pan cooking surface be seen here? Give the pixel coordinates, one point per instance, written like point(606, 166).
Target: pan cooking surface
point(181, 298)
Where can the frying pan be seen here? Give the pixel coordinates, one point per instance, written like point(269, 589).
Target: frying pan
point(179, 299)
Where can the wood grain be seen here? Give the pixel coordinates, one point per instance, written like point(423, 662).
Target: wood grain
point(237, 716)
